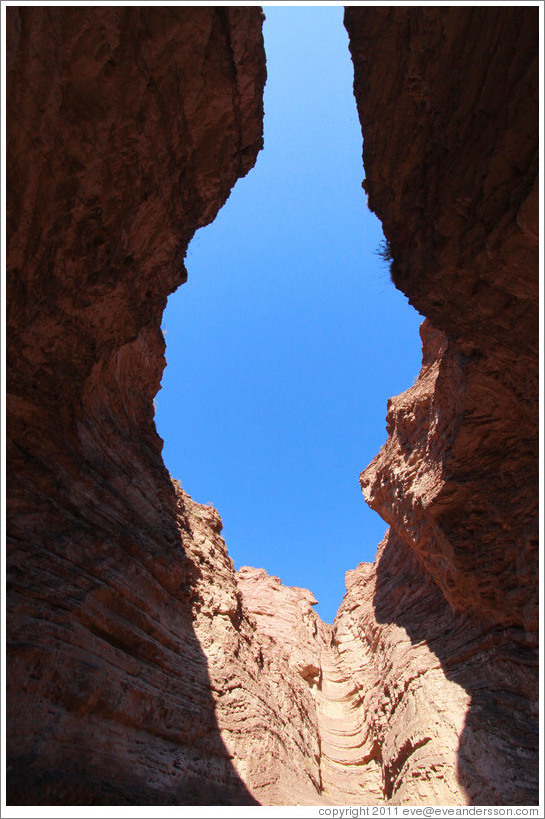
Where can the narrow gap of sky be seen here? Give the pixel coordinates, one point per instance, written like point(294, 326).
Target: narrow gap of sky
point(289, 337)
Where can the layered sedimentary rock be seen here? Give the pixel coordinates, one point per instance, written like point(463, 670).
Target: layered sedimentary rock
point(261, 679)
point(456, 188)
point(449, 704)
point(127, 128)
point(459, 692)
point(413, 704)
point(348, 773)
point(450, 154)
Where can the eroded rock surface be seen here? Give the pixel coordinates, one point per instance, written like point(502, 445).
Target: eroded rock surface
point(259, 676)
point(448, 102)
point(447, 98)
point(449, 704)
point(284, 614)
point(127, 128)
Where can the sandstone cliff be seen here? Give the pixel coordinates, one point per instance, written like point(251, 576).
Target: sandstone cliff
point(349, 774)
point(127, 128)
point(448, 102)
point(142, 668)
point(264, 708)
point(456, 189)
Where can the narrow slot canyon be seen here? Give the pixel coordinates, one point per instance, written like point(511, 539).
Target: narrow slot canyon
point(277, 365)
point(142, 669)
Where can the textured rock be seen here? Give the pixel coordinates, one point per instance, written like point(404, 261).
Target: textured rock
point(285, 615)
point(259, 676)
point(450, 153)
point(468, 682)
point(470, 678)
point(457, 479)
point(413, 704)
point(449, 703)
point(127, 128)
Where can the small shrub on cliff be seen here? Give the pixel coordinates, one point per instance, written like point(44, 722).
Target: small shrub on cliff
point(385, 252)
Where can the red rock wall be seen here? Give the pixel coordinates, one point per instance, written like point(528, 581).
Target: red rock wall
point(349, 772)
point(448, 103)
point(451, 697)
point(450, 704)
point(264, 706)
point(127, 128)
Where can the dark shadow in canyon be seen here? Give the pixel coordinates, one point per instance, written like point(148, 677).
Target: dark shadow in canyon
point(108, 692)
point(493, 664)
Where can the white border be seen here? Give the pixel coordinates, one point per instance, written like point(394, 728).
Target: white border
point(3, 407)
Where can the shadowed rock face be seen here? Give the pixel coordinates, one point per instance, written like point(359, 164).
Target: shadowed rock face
point(451, 695)
point(142, 669)
point(449, 704)
point(448, 102)
point(127, 129)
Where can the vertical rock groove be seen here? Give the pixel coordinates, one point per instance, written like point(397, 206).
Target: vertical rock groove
point(142, 669)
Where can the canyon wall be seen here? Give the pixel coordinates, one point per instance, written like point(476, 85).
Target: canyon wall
point(456, 188)
point(141, 668)
point(448, 101)
point(127, 128)
point(261, 678)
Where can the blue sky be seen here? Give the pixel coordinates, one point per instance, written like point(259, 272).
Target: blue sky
point(288, 338)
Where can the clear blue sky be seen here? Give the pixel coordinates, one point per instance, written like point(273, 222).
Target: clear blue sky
point(289, 337)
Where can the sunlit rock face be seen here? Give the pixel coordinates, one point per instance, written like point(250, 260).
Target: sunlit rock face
point(349, 773)
point(127, 128)
point(261, 683)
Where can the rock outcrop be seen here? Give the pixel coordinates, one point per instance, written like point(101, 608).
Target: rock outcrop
point(459, 690)
point(456, 188)
point(413, 704)
point(348, 773)
point(449, 704)
point(142, 669)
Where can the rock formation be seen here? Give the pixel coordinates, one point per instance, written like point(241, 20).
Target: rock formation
point(457, 194)
point(127, 129)
point(142, 669)
point(457, 480)
point(264, 707)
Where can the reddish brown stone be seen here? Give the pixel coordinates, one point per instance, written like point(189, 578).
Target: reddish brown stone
point(127, 128)
point(448, 103)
